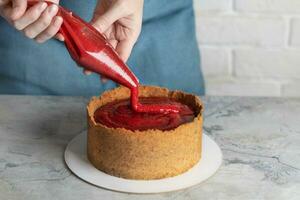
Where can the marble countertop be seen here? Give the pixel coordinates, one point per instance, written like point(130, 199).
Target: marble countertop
point(259, 137)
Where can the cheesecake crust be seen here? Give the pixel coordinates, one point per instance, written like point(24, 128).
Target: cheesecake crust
point(149, 154)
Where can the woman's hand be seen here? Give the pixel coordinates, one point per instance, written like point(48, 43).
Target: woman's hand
point(120, 21)
point(38, 22)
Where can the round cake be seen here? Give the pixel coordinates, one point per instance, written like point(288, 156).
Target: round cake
point(133, 145)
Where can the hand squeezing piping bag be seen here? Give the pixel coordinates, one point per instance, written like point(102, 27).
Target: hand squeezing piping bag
point(90, 49)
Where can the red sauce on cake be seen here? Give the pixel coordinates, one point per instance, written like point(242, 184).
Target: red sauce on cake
point(119, 114)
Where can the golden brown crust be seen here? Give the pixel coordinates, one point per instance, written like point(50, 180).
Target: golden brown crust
point(150, 154)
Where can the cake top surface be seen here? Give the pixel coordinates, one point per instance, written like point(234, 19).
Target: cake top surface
point(118, 114)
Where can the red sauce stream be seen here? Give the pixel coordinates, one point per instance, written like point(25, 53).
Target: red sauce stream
point(118, 114)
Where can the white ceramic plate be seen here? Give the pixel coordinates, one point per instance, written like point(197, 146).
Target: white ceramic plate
point(76, 159)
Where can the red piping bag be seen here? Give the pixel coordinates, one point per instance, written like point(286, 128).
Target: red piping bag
point(90, 49)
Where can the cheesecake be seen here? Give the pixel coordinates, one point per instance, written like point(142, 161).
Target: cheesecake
point(124, 143)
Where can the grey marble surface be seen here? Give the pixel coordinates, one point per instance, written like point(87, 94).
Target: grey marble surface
point(259, 137)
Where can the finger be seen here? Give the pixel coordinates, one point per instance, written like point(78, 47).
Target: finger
point(5, 12)
point(60, 37)
point(50, 31)
point(42, 23)
point(54, 1)
point(87, 72)
point(30, 16)
point(18, 9)
point(113, 43)
point(104, 21)
point(124, 49)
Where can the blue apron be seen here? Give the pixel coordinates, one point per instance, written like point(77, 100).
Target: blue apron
point(166, 54)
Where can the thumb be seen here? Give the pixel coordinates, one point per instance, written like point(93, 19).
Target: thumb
point(103, 21)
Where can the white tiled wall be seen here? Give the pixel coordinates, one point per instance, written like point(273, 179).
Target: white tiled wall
point(250, 47)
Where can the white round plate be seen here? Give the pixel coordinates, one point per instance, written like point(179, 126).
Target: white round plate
point(76, 159)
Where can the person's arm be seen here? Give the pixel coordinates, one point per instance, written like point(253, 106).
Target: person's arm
point(38, 22)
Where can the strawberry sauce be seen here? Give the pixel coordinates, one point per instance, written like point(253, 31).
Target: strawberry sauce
point(118, 114)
